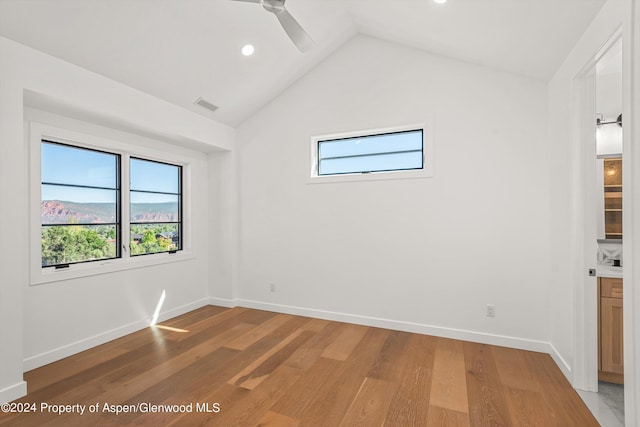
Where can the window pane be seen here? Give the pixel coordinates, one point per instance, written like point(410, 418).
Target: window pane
point(388, 143)
point(386, 162)
point(77, 205)
point(155, 207)
point(152, 176)
point(77, 243)
point(62, 164)
point(152, 207)
point(154, 238)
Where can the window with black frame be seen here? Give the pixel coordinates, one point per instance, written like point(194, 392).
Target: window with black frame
point(80, 205)
point(384, 152)
point(156, 207)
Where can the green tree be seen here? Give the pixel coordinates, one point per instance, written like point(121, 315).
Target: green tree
point(149, 237)
point(66, 244)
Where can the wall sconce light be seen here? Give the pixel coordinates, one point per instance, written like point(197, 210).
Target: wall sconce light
point(600, 120)
point(608, 139)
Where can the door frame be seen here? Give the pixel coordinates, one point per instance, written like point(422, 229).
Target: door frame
point(631, 207)
point(584, 370)
point(585, 374)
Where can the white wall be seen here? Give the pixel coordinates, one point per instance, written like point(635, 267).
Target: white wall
point(609, 95)
point(224, 226)
point(421, 254)
point(38, 323)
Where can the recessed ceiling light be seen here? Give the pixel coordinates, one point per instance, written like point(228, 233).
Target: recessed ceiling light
point(440, 1)
point(248, 49)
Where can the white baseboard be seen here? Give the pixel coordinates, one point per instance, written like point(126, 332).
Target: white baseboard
point(438, 331)
point(223, 302)
point(13, 392)
point(562, 364)
point(42, 359)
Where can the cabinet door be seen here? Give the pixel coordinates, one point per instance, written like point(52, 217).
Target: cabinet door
point(613, 198)
point(611, 335)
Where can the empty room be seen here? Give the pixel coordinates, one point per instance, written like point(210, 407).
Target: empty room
point(319, 212)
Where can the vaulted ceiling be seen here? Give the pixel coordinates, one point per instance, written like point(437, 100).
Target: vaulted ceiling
point(180, 50)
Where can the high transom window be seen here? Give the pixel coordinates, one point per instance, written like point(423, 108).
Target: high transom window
point(386, 152)
point(399, 152)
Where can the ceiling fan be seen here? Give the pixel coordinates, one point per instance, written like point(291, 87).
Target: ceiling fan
point(294, 30)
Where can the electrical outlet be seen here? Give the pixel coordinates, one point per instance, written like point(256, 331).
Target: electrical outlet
point(272, 287)
point(491, 310)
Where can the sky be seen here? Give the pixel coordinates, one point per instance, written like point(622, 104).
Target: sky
point(63, 164)
point(373, 153)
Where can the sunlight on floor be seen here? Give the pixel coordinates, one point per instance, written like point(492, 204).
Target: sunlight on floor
point(170, 328)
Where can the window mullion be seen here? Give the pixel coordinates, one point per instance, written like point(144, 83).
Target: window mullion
point(125, 206)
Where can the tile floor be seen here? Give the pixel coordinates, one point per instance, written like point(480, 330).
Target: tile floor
point(607, 405)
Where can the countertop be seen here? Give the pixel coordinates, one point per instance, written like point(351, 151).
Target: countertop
point(608, 270)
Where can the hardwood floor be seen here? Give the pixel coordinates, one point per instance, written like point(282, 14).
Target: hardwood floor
point(243, 367)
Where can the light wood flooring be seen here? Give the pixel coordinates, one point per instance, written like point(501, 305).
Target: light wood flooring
point(271, 369)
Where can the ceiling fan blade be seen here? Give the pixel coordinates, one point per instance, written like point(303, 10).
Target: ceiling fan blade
point(296, 33)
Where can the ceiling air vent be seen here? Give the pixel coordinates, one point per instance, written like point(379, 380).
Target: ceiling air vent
point(205, 104)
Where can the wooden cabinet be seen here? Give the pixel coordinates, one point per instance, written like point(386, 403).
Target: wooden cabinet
point(610, 332)
point(613, 198)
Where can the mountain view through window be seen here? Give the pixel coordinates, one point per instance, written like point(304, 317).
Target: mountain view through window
point(81, 203)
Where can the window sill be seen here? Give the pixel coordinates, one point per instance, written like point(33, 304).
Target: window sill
point(75, 271)
point(372, 176)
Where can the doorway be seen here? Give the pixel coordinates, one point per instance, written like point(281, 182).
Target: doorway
point(609, 198)
point(599, 284)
